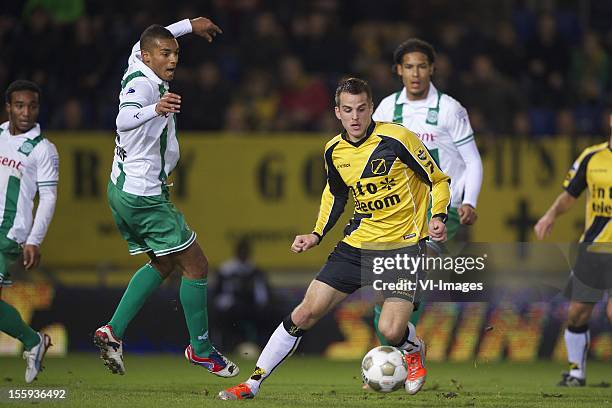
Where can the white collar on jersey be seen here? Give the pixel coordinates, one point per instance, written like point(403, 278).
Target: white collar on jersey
point(30, 134)
point(431, 101)
point(142, 67)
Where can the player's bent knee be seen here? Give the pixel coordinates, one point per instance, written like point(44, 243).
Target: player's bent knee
point(579, 314)
point(163, 266)
point(394, 334)
point(304, 317)
point(194, 273)
point(192, 262)
point(301, 316)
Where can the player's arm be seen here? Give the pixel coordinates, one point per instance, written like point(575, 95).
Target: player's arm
point(562, 204)
point(46, 178)
point(333, 201)
point(415, 155)
point(200, 26)
point(460, 129)
point(473, 182)
point(575, 183)
point(137, 106)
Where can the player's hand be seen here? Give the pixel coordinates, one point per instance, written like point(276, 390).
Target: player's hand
point(205, 28)
point(303, 243)
point(437, 230)
point(169, 103)
point(467, 214)
point(544, 226)
point(31, 256)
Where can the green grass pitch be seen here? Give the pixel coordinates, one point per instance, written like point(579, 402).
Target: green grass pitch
point(169, 381)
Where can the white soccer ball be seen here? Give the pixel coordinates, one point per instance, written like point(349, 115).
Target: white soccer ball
point(384, 369)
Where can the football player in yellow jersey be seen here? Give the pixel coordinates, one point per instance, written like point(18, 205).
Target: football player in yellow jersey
point(591, 276)
point(391, 176)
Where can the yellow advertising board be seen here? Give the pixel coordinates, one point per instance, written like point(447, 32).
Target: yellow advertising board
point(268, 188)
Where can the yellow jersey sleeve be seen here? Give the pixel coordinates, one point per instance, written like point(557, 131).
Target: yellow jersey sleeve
point(334, 197)
point(412, 152)
point(575, 181)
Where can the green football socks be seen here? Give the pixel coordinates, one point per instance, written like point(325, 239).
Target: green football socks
point(193, 299)
point(144, 282)
point(12, 324)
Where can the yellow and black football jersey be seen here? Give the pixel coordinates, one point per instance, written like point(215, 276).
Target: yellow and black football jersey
point(390, 175)
point(593, 170)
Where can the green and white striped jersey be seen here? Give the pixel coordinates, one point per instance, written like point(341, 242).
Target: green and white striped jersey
point(444, 127)
point(28, 163)
point(145, 154)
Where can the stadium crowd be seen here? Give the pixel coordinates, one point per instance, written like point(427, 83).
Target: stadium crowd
point(520, 70)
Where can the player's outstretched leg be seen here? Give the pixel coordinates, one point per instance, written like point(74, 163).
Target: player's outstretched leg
point(319, 299)
point(35, 344)
point(193, 296)
point(280, 346)
point(108, 337)
point(111, 349)
point(577, 343)
point(34, 357)
point(577, 339)
point(393, 318)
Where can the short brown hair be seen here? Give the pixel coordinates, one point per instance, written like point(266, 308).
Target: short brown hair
point(354, 86)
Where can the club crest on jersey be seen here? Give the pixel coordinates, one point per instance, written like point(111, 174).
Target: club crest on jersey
point(26, 148)
point(379, 166)
point(432, 117)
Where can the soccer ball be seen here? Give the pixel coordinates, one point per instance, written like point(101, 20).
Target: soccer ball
point(384, 369)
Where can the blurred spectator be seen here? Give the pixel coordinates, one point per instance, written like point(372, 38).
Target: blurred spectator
point(86, 60)
point(382, 80)
point(492, 95)
point(38, 63)
point(242, 299)
point(303, 98)
point(261, 100)
point(446, 77)
point(589, 107)
point(522, 127)
point(263, 47)
point(323, 46)
point(451, 42)
point(208, 97)
point(71, 117)
point(367, 37)
point(235, 119)
point(590, 62)
point(507, 54)
point(566, 125)
point(547, 64)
